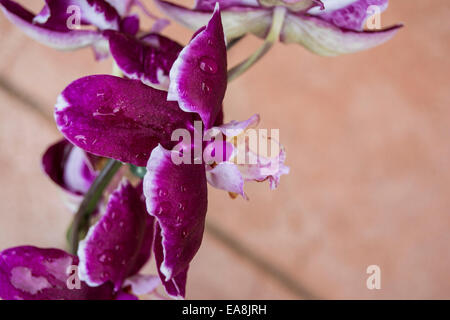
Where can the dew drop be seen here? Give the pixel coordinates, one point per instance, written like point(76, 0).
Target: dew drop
point(182, 206)
point(105, 111)
point(182, 188)
point(103, 95)
point(106, 225)
point(184, 234)
point(105, 257)
point(142, 156)
point(163, 208)
point(81, 138)
point(205, 87)
point(66, 120)
point(162, 192)
point(208, 65)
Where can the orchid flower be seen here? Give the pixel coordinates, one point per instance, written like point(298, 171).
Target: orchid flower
point(72, 169)
point(126, 120)
point(106, 267)
point(148, 58)
point(327, 27)
point(74, 24)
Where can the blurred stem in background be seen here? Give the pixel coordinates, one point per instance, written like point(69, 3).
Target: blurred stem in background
point(279, 15)
point(80, 224)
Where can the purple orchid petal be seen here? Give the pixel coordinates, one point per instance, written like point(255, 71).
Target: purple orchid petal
point(142, 284)
point(69, 167)
point(112, 250)
point(176, 195)
point(30, 273)
point(55, 38)
point(118, 118)
point(237, 20)
point(198, 79)
point(130, 25)
point(176, 286)
point(126, 296)
point(351, 16)
point(99, 13)
point(324, 38)
point(149, 59)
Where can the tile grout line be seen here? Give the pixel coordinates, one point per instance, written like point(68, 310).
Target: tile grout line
point(263, 265)
point(221, 235)
point(13, 91)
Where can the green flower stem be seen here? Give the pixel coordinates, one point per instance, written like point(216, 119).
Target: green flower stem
point(279, 15)
point(80, 223)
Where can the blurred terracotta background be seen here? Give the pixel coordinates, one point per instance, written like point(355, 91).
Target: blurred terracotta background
point(368, 142)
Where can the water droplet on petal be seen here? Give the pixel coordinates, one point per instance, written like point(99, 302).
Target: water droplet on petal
point(162, 192)
point(163, 208)
point(208, 65)
point(66, 120)
point(182, 205)
point(103, 111)
point(142, 156)
point(105, 257)
point(205, 87)
point(106, 225)
point(81, 138)
point(103, 94)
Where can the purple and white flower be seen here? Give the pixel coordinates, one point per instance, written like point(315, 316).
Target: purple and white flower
point(326, 27)
point(72, 169)
point(108, 262)
point(126, 120)
point(74, 24)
